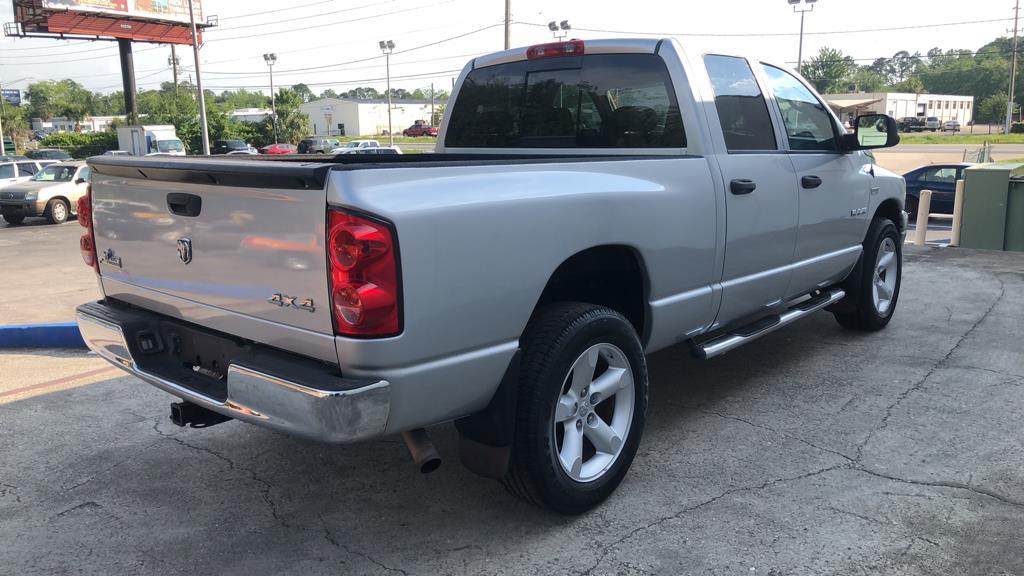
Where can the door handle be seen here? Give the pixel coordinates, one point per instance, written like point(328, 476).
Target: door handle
point(742, 186)
point(183, 204)
point(810, 181)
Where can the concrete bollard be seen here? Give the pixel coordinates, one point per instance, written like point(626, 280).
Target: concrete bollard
point(958, 212)
point(924, 206)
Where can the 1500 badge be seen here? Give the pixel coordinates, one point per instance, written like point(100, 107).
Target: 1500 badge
point(286, 301)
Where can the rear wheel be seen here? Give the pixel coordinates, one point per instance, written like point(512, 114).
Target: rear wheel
point(13, 218)
point(876, 288)
point(56, 211)
point(912, 207)
point(582, 406)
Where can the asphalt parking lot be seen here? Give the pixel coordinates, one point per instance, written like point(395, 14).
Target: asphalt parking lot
point(812, 451)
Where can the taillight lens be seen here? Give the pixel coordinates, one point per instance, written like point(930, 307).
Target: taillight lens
point(364, 276)
point(555, 49)
point(87, 243)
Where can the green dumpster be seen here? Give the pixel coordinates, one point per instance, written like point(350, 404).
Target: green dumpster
point(993, 212)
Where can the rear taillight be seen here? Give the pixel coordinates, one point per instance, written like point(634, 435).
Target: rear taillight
point(363, 260)
point(555, 49)
point(87, 243)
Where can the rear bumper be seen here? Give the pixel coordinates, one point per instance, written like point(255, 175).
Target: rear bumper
point(262, 386)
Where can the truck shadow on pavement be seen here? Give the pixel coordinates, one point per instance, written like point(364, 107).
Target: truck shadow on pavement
point(811, 426)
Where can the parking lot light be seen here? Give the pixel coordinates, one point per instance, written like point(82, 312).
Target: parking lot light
point(809, 7)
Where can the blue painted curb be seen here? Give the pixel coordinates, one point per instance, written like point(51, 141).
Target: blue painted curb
point(61, 335)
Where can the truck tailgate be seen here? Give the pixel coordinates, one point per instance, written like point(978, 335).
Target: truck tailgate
point(242, 237)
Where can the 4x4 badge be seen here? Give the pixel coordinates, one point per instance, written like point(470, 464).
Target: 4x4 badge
point(286, 301)
point(185, 250)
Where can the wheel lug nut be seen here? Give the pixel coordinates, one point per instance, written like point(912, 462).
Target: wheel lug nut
point(594, 398)
point(579, 424)
point(591, 418)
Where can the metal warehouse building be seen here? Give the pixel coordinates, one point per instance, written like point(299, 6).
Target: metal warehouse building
point(902, 105)
point(343, 117)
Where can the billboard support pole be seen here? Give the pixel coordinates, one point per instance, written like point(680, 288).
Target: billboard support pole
point(199, 82)
point(131, 106)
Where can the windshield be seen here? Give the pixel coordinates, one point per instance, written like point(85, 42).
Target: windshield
point(353, 144)
point(169, 146)
point(55, 173)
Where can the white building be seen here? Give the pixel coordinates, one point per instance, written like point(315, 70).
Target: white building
point(342, 117)
point(903, 105)
point(88, 124)
point(250, 115)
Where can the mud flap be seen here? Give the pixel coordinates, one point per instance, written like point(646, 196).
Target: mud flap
point(485, 438)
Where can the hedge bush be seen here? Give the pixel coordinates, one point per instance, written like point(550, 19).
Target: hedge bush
point(81, 144)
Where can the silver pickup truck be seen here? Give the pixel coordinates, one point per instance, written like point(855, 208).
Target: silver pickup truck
point(589, 203)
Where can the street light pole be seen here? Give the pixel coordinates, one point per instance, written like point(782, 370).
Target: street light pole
point(387, 47)
point(803, 12)
point(271, 59)
point(508, 24)
point(199, 82)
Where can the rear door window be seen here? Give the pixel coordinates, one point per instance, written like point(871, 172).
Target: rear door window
point(26, 168)
point(591, 101)
point(742, 110)
point(6, 170)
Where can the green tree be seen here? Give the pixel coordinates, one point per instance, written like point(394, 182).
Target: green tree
point(242, 98)
point(304, 92)
point(292, 123)
point(16, 123)
point(361, 93)
point(992, 109)
point(830, 70)
point(329, 93)
point(53, 99)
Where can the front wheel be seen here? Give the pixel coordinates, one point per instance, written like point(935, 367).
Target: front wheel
point(56, 211)
point(13, 218)
point(582, 407)
point(876, 288)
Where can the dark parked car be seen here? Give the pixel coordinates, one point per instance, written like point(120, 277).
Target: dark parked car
point(911, 124)
point(940, 179)
point(48, 154)
point(225, 146)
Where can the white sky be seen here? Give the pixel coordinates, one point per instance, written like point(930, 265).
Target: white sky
point(314, 33)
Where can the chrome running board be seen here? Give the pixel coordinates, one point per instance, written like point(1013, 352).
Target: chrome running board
point(744, 334)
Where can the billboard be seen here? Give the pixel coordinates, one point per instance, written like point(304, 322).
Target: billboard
point(12, 95)
point(162, 21)
point(161, 10)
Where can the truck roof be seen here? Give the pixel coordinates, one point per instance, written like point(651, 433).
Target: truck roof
point(611, 46)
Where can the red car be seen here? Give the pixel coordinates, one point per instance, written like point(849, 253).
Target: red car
point(420, 130)
point(279, 149)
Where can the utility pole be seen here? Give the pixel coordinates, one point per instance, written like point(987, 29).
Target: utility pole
point(174, 63)
point(1013, 70)
point(199, 82)
point(387, 47)
point(508, 24)
point(431, 103)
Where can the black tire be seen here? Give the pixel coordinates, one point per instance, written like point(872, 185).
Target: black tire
point(57, 211)
point(864, 315)
point(912, 207)
point(14, 219)
point(552, 342)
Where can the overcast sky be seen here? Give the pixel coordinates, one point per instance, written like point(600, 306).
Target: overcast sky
point(326, 37)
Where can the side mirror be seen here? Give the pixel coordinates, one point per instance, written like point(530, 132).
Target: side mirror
point(872, 131)
point(80, 181)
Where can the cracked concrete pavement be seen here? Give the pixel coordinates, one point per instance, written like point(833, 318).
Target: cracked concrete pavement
point(813, 451)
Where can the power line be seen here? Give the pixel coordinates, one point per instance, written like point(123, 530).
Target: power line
point(325, 24)
point(296, 19)
point(360, 60)
point(770, 34)
point(276, 10)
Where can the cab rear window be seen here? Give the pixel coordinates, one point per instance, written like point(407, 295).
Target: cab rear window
point(591, 101)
